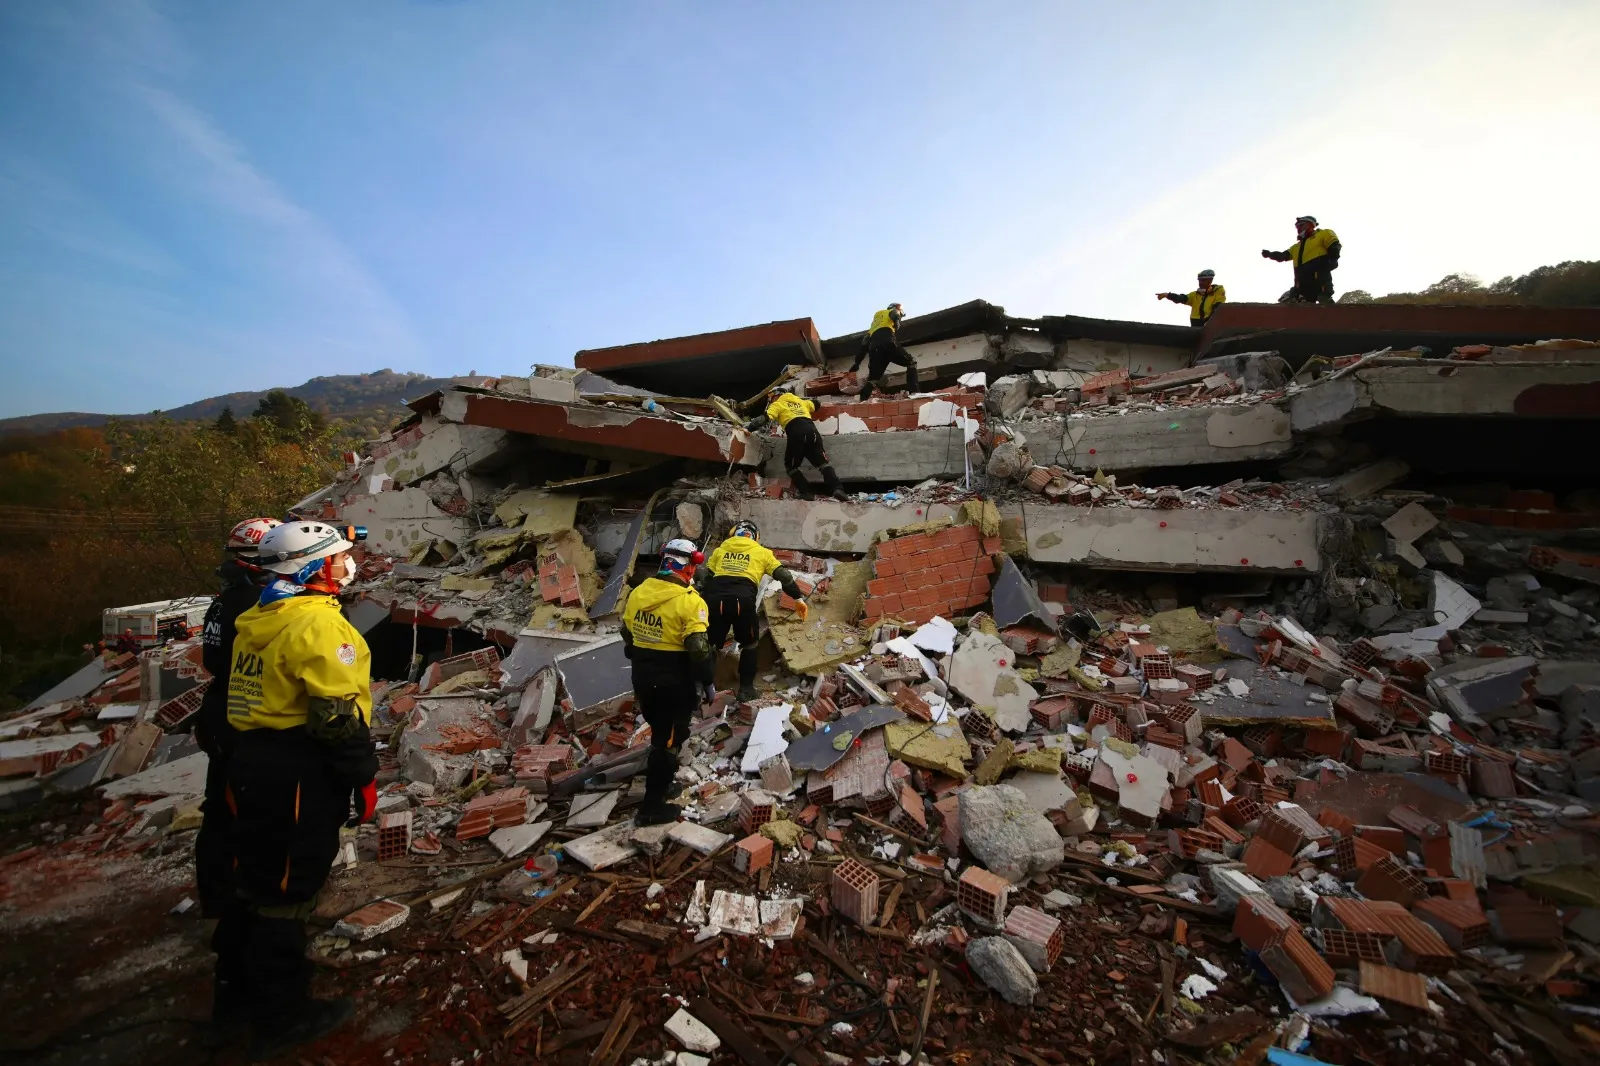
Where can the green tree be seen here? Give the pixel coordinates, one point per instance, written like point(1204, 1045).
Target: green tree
point(226, 423)
point(292, 418)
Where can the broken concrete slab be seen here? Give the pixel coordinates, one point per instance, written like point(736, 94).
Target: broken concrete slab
point(1177, 436)
point(1189, 540)
point(1410, 522)
point(516, 839)
point(698, 837)
point(582, 425)
point(982, 671)
point(592, 809)
point(607, 847)
point(1480, 691)
point(902, 457)
point(832, 526)
point(180, 777)
point(1447, 387)
point(1007, 835)
point(1001, 966)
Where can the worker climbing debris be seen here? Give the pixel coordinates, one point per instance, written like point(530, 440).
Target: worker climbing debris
point(881, 347)
point(792, 414)
point(730, 580)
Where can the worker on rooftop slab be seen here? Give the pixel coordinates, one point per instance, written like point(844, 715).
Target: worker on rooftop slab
point(882, 347)
point(729, 581)
point(242, 579)
point(1315, 255)
point(300, 698)
point(664, 624)
point(1204, 300)
point(793, 415)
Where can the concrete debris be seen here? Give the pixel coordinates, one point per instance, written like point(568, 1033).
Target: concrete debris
point(1006, 834)
point(1001, 966)
point(1316, 707)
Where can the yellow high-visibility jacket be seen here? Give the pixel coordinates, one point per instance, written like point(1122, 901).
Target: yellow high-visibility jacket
point(1201, 304)
point(882, 320)
point(1313, 247)
point(660, 615)
point(788, 407)
point(742, 557)
point(289, 652)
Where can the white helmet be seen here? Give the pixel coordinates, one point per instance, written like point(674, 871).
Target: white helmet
point(245, 538)
point(288, 548)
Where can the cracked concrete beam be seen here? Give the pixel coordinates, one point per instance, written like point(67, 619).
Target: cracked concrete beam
point(1179, 436)
point(1434, 388)
point(612, 427)
point(904, 456)
point(1126, 538)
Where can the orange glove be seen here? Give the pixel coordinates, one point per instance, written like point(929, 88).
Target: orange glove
point(802, 609)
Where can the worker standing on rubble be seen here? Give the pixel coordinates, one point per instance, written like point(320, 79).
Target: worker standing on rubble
point(299, 699)
point(793, 415)
point(664, 624)
point(1202, 301)
point(729, 581)
point(882, 347)
point(1315, 255)
point(213, 845)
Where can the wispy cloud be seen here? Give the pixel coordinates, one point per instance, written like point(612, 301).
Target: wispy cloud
point(195, 268)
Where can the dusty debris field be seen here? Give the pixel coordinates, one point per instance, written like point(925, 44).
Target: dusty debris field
point(98, 970)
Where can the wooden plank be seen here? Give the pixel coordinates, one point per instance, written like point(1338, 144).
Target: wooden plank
point(732, 1033)
point(927, 1012)
point(596, 904)
point(602, 1050)
point(843, 964)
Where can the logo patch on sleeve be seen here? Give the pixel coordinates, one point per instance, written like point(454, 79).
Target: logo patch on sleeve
point(347, 654)
point(702, 613)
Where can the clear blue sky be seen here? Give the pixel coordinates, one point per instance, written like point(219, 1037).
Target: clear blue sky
point(198, 197)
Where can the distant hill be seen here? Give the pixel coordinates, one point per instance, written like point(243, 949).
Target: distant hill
point(362, 397)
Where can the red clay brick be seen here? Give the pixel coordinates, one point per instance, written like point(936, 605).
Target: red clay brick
point(983, 895)
point(1388, 880)
point(752, 853)
point(854, 892)
point(1304, 974)
point(1264, 860)
point(1259, 922)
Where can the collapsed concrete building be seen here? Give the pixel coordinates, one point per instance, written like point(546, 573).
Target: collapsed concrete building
point(1280, 601)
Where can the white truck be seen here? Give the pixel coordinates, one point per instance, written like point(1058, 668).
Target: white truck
point(156, 623)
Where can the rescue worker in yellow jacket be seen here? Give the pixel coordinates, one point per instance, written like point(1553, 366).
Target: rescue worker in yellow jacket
point(1315, 255)
point(300, 704)
point(1203, 301)
point(882, 347)
point(793, 415)
point(664, 623)
point(729, 581)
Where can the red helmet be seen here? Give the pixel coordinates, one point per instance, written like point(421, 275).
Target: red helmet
point(245, 539)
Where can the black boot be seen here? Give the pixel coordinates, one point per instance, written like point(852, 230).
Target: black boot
point(911, 378)
point(659, 769)
point(747, 672)
point(866, 390)
point(802, 487)
point(830, 484)
point(312, 1021)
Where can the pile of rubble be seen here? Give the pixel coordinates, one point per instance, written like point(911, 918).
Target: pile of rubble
point(1003, 794)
